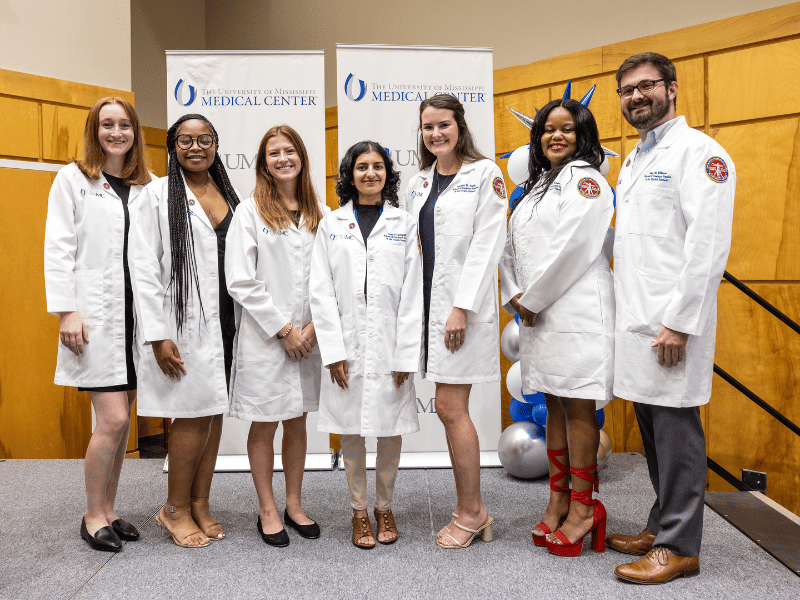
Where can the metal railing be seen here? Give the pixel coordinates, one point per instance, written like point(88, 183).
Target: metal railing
point(741, 388)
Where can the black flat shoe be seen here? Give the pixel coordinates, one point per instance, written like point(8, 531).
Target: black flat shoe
point(279, 540)
point(310, 532)
point(124, 530)
point(103, 539)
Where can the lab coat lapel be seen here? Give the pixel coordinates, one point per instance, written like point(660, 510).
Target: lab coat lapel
point(665, 143)
point(348, 224)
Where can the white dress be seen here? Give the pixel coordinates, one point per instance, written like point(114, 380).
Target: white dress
point(557, 254)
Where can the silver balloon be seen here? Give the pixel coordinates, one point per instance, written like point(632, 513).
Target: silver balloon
point(509, 341)
point(520, 454)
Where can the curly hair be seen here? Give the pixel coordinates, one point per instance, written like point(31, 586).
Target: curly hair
point(181, 238)
point(588, 149)
point(345, 183)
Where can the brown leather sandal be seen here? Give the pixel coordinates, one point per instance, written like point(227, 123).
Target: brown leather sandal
point(385, 521)
point(362, 528)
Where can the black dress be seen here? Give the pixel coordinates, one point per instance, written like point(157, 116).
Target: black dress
point(123, 191)
point(227, 317)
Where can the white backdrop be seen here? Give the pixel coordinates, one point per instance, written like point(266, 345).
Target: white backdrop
point(378, 92)
point(243, 94)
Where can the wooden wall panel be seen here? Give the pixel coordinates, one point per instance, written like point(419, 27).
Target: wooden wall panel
point(754, 82)
point(509, 133)
point(41, 119)
point(156, 148)
point(19, 122)
point(62, 132)
point(766, 228)
point(758, 350)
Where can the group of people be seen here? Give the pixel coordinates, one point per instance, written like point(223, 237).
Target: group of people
point(199, 303)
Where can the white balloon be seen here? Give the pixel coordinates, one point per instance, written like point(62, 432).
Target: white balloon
point(514, 381)
point(509, 341)
point(517, 166)
point(604, 167)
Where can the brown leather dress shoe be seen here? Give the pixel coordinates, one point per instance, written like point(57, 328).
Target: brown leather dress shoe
point(632, 544)
point(659, 566)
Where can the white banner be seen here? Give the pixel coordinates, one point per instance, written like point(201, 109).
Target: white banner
point(379, 89)
point(243, 94)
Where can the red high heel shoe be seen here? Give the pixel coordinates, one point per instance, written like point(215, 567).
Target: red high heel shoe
point(552, 455)
point(598, 530)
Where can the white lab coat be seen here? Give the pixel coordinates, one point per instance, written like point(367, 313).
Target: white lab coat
point(267, 273)
point(673, 235)
point(376, 335)
point(469, 225)
point(557, 254)
point(203, 390)
point(83, 245)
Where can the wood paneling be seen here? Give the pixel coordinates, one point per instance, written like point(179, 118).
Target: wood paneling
point(585, 63)
point(509, 133)
point(766, 227)
point(754, 82)
point(62, 132)
point(761, 352)
point(156, 148)
point(42, 119)
point(19, 122)
point(741, 30)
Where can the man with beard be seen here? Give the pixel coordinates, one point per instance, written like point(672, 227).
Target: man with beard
point(673, 234)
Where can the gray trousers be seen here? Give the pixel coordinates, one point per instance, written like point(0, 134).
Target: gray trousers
point(675, 449)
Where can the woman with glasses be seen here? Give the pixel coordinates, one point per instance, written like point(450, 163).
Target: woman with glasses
point(88, 284)
point(555, 273)
point(277, 366)
point(186, 319)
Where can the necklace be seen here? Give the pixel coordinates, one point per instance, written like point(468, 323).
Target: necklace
point(442, 178)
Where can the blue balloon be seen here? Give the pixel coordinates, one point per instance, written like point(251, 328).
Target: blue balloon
point(514, 195)
point(601, 417)
point(539, 414)
point(534, 398)
point(516, 318)
point(519, 411)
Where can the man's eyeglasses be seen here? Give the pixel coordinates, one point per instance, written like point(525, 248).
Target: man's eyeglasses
point(205, 140)
point(643, 86)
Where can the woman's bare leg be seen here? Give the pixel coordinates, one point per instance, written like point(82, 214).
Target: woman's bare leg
point(293, 456)
point(201, 487)
point(262, 462)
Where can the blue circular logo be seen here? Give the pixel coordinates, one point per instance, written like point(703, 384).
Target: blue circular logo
point(179, 94)
point(348, 88)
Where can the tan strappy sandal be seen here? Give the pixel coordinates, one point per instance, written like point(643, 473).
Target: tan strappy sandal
point(484, 530)
point(385, 521)
point(362, 528)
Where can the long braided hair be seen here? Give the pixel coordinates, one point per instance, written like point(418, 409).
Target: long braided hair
point(181, 239)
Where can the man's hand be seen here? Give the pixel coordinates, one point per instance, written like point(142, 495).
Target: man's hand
point(671, 346)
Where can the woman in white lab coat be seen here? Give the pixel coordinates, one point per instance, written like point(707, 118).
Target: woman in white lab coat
point(555, 272)
point(186, 318)
point(459, 200)
point(88, 285)
point(367, 308)
point(276, 365)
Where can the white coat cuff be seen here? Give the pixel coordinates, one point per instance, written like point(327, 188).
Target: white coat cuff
point(156, 334)
point(61, 305)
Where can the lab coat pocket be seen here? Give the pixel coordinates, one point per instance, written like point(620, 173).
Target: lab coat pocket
point(392, 267)
point(652, 212)
point(89, 295)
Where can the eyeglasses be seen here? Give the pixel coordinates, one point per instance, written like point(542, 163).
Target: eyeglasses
point(643, 86)
point(185, 141)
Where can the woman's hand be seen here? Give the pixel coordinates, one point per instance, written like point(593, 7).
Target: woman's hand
point(526, 317)
point(168, 358)
point(455, 329)
point(400, 378)
point(310, 334)
point(339, 373)
point(296, 345)
point(72, 332)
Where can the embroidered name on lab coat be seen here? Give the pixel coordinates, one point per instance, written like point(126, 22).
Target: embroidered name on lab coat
point(395, 237)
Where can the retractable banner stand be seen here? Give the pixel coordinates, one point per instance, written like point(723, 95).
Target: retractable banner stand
point(243, 94)
point(379, 90)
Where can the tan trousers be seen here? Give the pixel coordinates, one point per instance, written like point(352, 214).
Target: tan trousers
point(354, 449)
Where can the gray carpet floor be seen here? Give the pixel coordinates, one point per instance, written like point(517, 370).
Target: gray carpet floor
point(42, 555)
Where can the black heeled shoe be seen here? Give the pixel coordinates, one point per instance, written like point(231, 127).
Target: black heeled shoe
point(279, 540)
point(310, 532)
point(124, 530)
point(103, 539)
